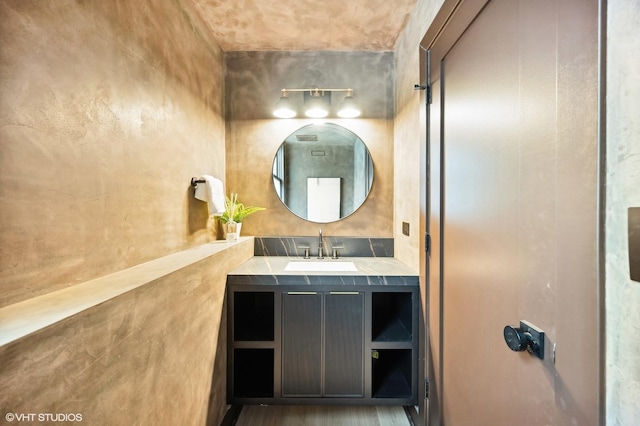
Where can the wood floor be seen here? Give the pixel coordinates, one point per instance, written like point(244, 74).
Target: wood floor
point(325, 415)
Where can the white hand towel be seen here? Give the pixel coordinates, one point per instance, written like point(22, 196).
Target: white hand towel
point(212, 192)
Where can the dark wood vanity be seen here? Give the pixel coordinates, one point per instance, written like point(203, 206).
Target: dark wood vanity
point(323, 338)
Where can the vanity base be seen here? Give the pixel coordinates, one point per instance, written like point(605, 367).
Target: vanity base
point(322, 344)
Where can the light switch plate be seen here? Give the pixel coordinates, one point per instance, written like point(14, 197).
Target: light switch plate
point(634, 243)
point(405, 228)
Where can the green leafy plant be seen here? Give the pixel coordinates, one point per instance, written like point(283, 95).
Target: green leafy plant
point(236, 210)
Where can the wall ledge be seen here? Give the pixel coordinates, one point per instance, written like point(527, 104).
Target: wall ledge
point(26, 317)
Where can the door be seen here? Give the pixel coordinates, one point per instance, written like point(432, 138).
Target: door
point(323, 344)
point(344, 344)
point(301, 344)
point(513, 210)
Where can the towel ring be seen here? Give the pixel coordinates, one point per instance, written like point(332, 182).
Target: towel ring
point(195, 181)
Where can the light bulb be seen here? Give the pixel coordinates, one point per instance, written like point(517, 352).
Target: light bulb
point(348, 107)
point(284, 108)
point(315, 107)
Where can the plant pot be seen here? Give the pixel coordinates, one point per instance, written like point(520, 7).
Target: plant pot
point(231, 230)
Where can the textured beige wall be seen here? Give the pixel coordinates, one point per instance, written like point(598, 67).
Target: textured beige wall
point(407, 127)
point(106, 111)
point(251, 148)
point(623, 191)
point(153, 356)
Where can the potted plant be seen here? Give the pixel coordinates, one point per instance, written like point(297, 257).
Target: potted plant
point(233, 215)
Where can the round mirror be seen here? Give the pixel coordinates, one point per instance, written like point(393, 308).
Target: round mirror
point(322, 172)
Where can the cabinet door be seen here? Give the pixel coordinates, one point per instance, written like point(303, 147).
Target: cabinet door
point(301, 344)
point(344, 343)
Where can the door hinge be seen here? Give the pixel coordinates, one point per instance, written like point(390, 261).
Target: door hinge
point(426, 388)
point(427, 243)
point(428, 94)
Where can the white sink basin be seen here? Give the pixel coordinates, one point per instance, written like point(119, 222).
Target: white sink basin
point(321, 266)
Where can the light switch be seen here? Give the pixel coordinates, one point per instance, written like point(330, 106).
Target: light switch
point(405, 228)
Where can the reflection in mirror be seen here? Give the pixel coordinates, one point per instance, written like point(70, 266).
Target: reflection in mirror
point(322, 172)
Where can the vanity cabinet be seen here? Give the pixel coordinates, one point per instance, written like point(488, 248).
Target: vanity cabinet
point(322, 344)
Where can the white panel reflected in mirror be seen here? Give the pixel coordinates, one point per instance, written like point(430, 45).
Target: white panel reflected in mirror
point(323, 199)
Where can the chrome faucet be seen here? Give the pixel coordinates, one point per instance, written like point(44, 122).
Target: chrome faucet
point(320, 248)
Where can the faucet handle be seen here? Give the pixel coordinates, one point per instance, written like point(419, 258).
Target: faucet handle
point(334, 253)
point(306, 252)
point(335, 246)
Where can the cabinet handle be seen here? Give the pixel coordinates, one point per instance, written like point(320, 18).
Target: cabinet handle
point(302, 292)
point(344, 292)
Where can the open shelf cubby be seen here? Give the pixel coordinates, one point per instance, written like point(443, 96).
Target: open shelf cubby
point(253, 373)
point(391, 317)
point(253, 316)
point(391, 373)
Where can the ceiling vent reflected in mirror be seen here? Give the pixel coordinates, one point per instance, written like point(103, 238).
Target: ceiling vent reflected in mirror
point(317, 103)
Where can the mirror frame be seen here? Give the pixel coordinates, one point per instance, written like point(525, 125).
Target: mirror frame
point(339, 138)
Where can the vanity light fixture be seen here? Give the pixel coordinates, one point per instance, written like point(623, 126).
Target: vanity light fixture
point(348, 107)
point(317, 103)
point(284, 107)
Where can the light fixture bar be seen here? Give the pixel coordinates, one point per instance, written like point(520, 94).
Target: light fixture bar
point(317, 89)
point(317, 103)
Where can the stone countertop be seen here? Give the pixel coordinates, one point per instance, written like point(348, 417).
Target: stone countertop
point(270, 270)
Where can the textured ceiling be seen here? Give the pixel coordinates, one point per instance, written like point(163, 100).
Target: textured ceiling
point(355, 25)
